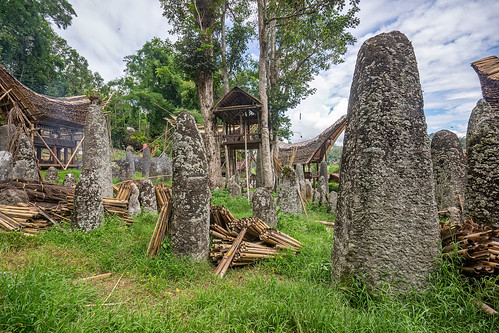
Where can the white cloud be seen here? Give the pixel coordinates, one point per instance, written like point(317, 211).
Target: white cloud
point(447, 36)
point(106, 31)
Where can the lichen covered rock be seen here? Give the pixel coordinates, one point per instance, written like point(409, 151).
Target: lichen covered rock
point(287, 193)
point(482, 166)
point(191, 195)
point(52, 176)
point(264, 207)
point(386, 227)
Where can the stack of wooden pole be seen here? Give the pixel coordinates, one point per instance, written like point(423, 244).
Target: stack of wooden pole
point(39, 192)
point(163, 195)
point(238, 242)
point(477, 247)
point(29, 220)
point(160, 230)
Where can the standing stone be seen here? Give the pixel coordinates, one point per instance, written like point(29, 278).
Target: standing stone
point(133, 201)
point(125, 172)
point(96, 151)
point(165, 166)
point(301, 179)
point(131, 160)
point(6, 165)
point(6, 134)
point(190, 222)
point(323, 190)
point(332, 202)
point(233, 187)
point(88, 212)
point(308, 190)
point(323, 170)
point(25, 166)
point(448, 169)
point(146, 162)
point(52, 176)
point(287, 192)
point(482, 166)
point(147, 197)
point(13, 197)
point(386, 227)
point(69, 180)
point(264, 207)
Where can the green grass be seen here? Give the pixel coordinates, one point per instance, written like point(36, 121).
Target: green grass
point(62, 174)
point(40, 291)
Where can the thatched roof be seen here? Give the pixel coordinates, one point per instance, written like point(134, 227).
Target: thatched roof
point(313, 150)
point(235, 103)
point(488, 73)
point(41, 109)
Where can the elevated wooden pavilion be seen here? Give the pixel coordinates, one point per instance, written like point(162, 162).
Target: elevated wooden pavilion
point(55, 124)
point(311, 151)
point(240, 114)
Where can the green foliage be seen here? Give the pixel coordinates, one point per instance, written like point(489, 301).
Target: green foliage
point(153, 88)
point(36, 55)
point(40, 287)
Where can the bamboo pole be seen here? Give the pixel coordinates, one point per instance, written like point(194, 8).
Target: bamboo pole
point(246, 160)
point(50, 150)
point(74, 152)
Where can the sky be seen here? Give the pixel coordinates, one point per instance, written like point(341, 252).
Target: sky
point(447, 35)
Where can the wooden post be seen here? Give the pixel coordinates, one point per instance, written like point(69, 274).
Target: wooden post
point(246, 129)
point(66, 155)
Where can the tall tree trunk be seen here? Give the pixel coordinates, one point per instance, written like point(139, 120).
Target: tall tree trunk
point(225, 73)
point(205, 92)
point(263, 38)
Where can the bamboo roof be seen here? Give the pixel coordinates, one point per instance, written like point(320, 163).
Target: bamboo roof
point(313, 150)
point(488, 73)
point(236, 103)
point(41, 109)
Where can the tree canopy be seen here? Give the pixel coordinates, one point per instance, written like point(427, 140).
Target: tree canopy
point(36, 55)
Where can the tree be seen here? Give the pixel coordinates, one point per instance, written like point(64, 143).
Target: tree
point(194, 21)
point(297, 39)
point(34, 54)
point(153, 88)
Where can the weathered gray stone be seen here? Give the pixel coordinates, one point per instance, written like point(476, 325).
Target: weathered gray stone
point(301, 179)
point(25, 166)
point(234, 187)
point(6, 133)
point(52, 176)
point(264, 206)
point(323, 170)
point(147, 197)
point(69, 180)
point(133, 201)
point(96, 151)
point(13, 197)
point(323, 189)
point(315, 195)
point(386, 227)
point(287, 192)
point(6, 165)
point(165, 166)
point(332, 202)
point(448, 169)
point(125, 171)
point(308, 190)
point(190, 223)
point(88, 212)
point(146, 162)
point(482, 166)
point(131, 160)
point(454, 215)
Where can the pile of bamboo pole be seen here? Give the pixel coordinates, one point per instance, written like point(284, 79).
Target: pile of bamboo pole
point(111, 205)
point(28, 219)
point(163, 195)
point(238, 242)
point(39, 192)
point(160, 230)
point(477, 247)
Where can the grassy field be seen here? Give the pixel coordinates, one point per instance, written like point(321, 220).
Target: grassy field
point(41, 288)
